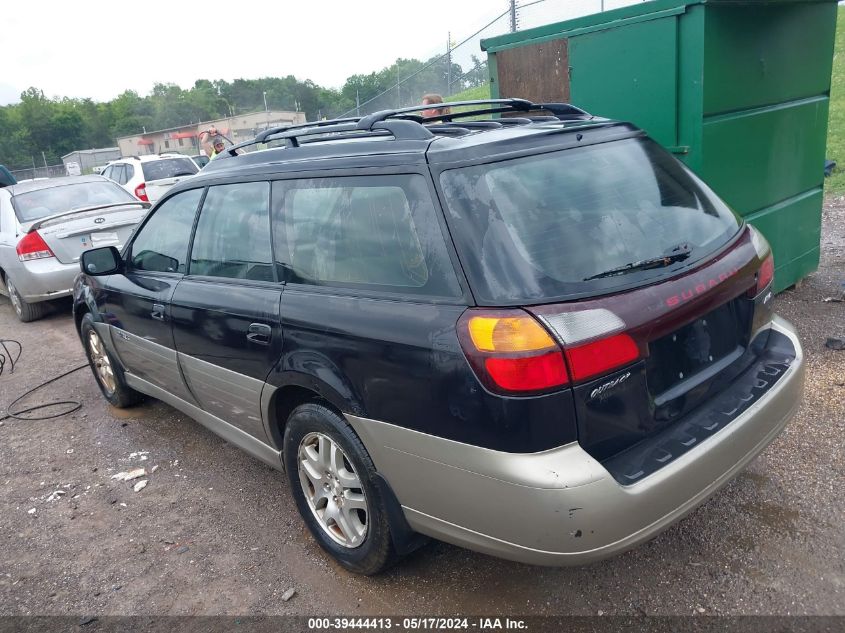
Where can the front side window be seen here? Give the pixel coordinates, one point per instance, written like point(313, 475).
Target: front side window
point(233, 233)
point(161, 245)
point(579, 221)
point(376, 232)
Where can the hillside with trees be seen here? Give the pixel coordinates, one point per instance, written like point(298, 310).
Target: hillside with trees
point(57, 126)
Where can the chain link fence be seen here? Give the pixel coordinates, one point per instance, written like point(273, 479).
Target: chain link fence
point(461, 64)
point(50, 171)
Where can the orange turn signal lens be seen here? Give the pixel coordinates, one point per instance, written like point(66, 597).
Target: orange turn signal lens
point(508, 334)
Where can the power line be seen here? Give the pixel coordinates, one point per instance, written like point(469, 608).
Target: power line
point(430, 64)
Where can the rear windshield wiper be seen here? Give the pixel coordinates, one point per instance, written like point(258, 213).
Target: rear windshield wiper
point(676, 254)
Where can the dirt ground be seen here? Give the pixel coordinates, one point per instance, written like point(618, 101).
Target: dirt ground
point(216, 532)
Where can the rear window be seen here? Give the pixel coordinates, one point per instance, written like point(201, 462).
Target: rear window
point(168, 168)
point(34, 205)
point(541, 228)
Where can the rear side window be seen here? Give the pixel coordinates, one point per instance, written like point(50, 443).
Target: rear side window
point(161, 245)
point(377, 232)
point(168, 168)
point(119, 174)
point(546, 227)
point(233, 233)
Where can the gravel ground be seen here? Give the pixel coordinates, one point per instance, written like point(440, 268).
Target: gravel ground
point(216, 532)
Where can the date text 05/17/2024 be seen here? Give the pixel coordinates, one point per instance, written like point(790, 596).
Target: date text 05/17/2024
point(416, 623)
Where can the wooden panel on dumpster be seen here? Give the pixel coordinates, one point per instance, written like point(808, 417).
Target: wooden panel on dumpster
point(538, 72)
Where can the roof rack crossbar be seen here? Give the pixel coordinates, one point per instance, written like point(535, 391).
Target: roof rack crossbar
point(406, 130)
point(506, 105)
point(514, 120)
point(481, 125)
point(405, 123)
point(291, 132)
point(448, 129)
point(562, 109)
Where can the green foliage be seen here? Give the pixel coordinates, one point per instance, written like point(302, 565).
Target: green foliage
point(58, 126)
point(836, 124)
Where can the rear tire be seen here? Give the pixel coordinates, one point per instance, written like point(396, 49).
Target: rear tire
point(106, 370)
point(26, 311)
point(333, 481)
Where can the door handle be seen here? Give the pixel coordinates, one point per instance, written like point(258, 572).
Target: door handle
point(259, 333)
point(158, 312)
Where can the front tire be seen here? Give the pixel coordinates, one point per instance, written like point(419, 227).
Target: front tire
point(333, 481)
point(106, 370)
point(26, 311)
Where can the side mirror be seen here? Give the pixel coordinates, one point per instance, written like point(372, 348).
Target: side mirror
point(101, 261)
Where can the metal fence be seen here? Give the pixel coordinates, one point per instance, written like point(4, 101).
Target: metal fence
point(51, 171)
point(461, 64)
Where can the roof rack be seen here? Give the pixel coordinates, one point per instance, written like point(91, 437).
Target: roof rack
point(403, 123)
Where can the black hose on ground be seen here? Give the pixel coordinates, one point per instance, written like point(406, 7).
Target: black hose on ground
point(11, 360)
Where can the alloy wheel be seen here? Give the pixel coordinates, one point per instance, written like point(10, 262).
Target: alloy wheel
point(101, 362)
point(333, 490)
point(13, 296)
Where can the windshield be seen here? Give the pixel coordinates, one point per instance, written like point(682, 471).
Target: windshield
point(169, 168)
point(37, 204)
point(539, 228)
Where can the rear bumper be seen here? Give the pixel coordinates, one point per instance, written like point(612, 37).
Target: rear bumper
point(44, 279)
point(562, 507)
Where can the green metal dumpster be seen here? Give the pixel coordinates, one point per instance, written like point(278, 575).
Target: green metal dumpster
point(737, 89)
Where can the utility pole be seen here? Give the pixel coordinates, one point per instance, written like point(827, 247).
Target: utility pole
point(514, 18)
point(449, 62)
point(357, 103)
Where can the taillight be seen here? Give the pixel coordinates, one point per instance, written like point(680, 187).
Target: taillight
point(32, 246)
point(602, 356)
point(141, 192)
point(767, 270)
point(511, 352)
point(765, 275)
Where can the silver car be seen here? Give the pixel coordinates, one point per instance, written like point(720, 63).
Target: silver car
point(45, 225)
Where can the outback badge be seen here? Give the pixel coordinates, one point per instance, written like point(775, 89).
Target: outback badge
point(601, 389)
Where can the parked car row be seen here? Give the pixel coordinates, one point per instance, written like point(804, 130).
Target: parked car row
point(148, 177)
point(45, 224)
point(44, 227)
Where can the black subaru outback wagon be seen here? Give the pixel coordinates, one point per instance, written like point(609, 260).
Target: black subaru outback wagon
point(535, 334)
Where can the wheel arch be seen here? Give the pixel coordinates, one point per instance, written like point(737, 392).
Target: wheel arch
point(295, 390)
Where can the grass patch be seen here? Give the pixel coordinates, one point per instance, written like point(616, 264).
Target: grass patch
point(471, 94)
point(836, 124)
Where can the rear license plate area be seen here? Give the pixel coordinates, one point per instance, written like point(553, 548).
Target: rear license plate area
point(697, 347)
point(102, 239)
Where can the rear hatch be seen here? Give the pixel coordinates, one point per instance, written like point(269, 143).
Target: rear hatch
point(644, 277)
point(161, 175)
point(76, 217)
point(68, 236)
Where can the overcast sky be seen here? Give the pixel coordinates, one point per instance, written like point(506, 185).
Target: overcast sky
point(99, 49)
